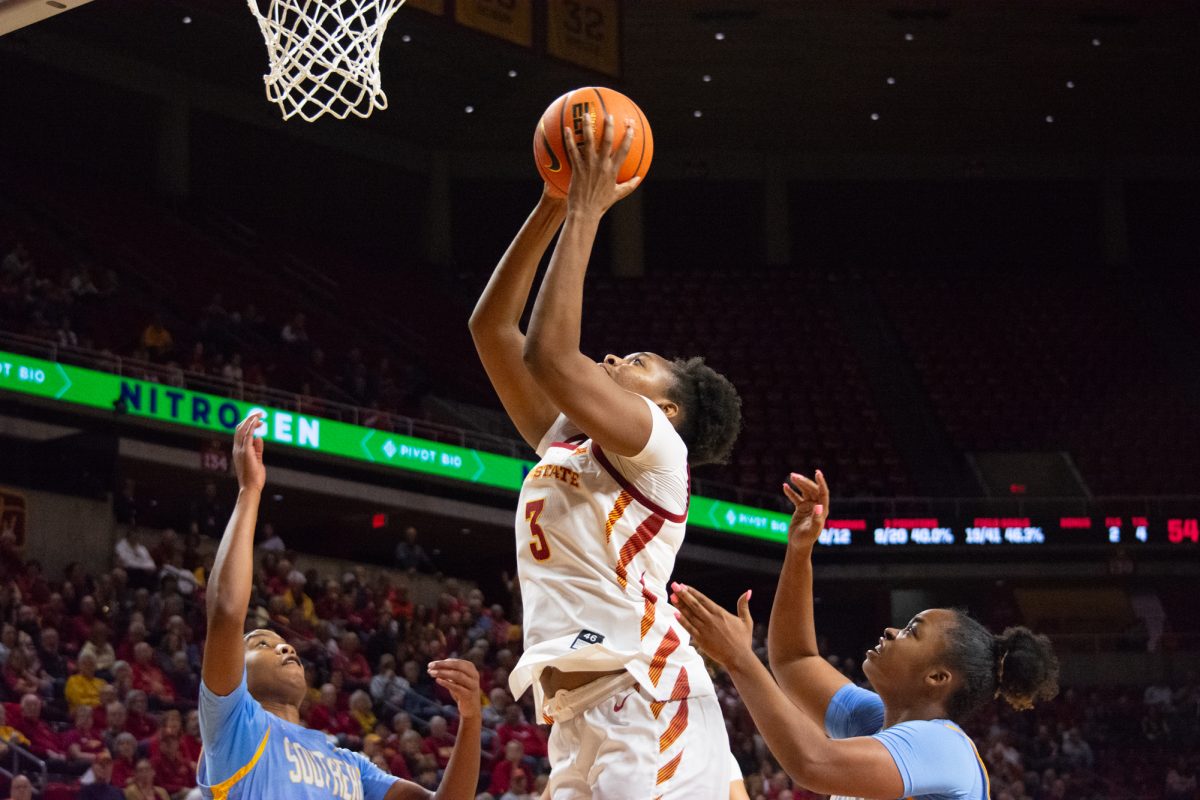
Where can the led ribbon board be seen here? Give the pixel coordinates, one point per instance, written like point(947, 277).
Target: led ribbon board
point(94, 389)
point(80, 386)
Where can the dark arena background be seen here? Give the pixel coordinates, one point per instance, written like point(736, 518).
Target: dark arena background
point(947, 251)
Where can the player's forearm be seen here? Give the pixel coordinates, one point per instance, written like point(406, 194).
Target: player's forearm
point(504, 298)
point(557, 314)
point(232, 576)
point(462, 772)
point(794, 739)
point(792, 632)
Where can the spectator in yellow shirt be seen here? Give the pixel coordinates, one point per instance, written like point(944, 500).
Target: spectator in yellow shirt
point(296, 597)
point(83, 688)
point(157, 339)
point(9, 734)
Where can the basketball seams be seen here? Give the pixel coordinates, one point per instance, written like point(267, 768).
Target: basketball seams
point(644, 127)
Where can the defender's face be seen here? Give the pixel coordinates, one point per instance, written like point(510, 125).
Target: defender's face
point(272, 667)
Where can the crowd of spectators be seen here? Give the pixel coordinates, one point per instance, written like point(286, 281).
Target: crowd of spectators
point(238, 345)
point(99, 675)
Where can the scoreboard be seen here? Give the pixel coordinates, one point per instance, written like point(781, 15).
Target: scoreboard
point(993, 532)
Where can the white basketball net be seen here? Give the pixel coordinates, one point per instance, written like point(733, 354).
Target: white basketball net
point(324, 55)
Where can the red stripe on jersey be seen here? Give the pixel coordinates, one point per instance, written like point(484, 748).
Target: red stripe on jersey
point(636, 544)
point(569, 444)
point(656, 708)
point(623, 501)
point(682, 689)
point(603, 461)
point(648, 614)
point(658, 663)
point(675, 729)
point(667, 771)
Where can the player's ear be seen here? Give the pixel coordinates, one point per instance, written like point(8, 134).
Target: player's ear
point(669, 408)
point(938, 677)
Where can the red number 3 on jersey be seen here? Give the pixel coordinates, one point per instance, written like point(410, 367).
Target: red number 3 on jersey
point(538, 546)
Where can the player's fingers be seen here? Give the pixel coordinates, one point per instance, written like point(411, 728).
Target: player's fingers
point(806, 485)
point(626, 143)
point(743, 609)
point(702, 600)
point(610, 133)
point(625, 189)
point(589, 135)
point(571, 148)
point(684, 601)
point(456, 674)
point(794, 496)
point(823, 490)
point(687, 623)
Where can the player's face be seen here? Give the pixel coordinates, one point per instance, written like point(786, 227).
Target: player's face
point(904, 657)
point(647, 374)
point(273, 670)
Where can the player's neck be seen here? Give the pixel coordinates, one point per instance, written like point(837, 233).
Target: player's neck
point(285, 711)
point(920, 711)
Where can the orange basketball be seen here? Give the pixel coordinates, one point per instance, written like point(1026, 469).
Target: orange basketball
point(585, 106)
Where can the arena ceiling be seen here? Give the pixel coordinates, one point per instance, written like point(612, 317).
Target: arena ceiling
point(1114, 76)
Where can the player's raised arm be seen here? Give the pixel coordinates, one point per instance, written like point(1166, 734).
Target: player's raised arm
point(856, 767)
point(229, 587)
point(617, 419)
point(803, 674)
point(496, 321)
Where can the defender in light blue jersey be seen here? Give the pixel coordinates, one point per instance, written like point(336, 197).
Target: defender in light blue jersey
point(837, 739)
point(254, 744)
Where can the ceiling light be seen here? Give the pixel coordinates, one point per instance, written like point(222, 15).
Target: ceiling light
point(908, 37)
point(469, 109)
point(706, 78)
point(187, 20)
point(720, 37)
point(1070, 84)
point(697, 113)
point(891, 81)
point(874, 117)
point(1050, 118)
point(1095, 42)
point(406, 38)
point(512, 73)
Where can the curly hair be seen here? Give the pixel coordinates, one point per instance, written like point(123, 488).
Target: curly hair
point(712, 411)
point(1018, 665)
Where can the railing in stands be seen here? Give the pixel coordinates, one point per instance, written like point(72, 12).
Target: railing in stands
point(19, 755)
point(947, 507)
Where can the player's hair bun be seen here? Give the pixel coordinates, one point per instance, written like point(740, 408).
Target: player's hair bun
point(1026, 668)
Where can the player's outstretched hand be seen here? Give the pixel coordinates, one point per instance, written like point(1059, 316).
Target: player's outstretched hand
point(461, 679)
point(723, 637)
point(810, 499)
point(594, 186)
point(248, 454)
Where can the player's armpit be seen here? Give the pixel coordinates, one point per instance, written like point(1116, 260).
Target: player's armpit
point(616, 419)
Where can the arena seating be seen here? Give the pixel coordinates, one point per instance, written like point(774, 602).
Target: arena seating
point(1038, 360)
point(1122, 742)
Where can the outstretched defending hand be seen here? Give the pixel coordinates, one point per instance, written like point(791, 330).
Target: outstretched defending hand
point(461, 679)
point(594, 184)
point(248, 454)
point(723, 637)
point(811, 501)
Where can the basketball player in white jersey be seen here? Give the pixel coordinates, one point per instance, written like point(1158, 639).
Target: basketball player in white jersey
point(602, 516)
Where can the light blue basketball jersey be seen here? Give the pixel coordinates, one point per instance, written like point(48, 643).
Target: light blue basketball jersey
point(936, 759)
point(251, 753)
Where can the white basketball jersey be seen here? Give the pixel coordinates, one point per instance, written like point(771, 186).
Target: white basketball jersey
point(597, 535)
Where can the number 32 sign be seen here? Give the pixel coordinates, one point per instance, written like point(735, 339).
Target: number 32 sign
point(585, 32)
